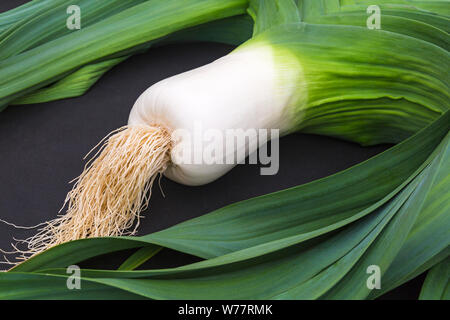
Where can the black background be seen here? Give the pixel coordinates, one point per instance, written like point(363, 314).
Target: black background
point(41, 150)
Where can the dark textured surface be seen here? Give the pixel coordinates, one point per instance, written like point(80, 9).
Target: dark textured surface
point(42, 148)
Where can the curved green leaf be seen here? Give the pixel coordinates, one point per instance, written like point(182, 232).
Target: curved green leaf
point(437, 282)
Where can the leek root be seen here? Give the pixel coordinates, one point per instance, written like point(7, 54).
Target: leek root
point(113, 189)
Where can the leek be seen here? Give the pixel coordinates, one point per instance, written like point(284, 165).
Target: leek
point(314, 68)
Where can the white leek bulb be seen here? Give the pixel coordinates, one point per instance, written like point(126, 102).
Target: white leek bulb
point(250, 88)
